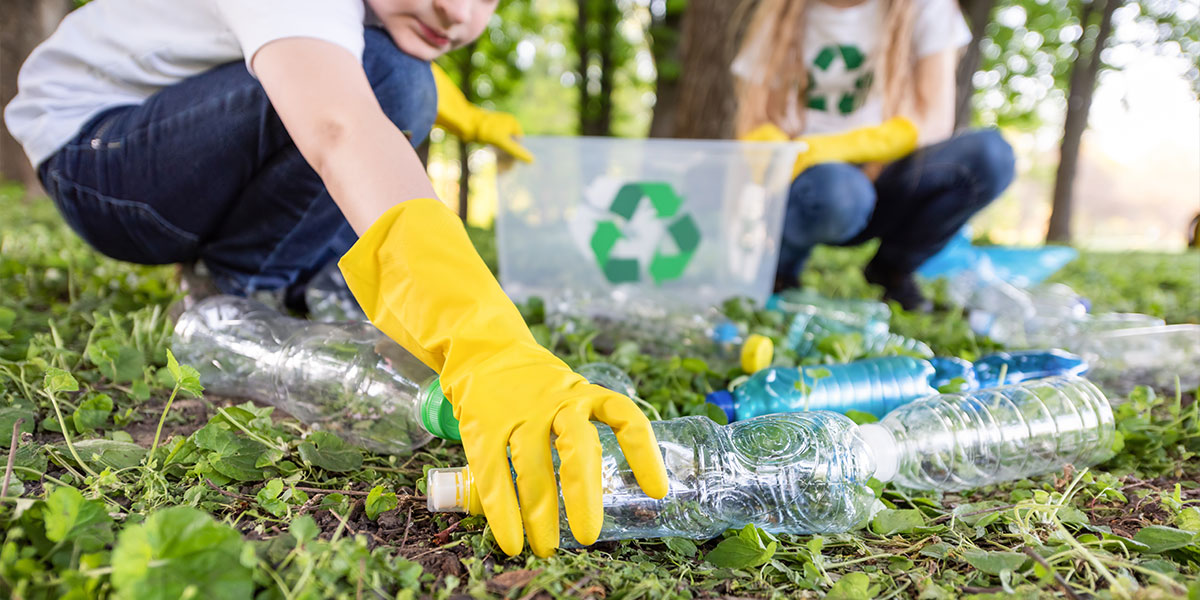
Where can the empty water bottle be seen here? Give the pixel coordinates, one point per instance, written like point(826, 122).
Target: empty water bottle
point(960, 441)
point(873, 385)
point(806, 331)
point(786, 473)
point(329, 299)
point(1005, 368)
point(861, 313)
point(1155, 356)
point(346, 378)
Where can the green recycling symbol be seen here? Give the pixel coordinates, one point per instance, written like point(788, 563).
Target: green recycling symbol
point(852, 59)
point(667, 263)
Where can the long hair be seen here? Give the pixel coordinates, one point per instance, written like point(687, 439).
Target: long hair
point(770, 75)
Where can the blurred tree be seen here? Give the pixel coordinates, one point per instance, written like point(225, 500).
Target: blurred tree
point(601, 50)
point(664, 31)
point(705, 106)
point(24, 25)
point(978, 13)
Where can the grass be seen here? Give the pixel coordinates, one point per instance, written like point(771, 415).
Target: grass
point(128, 482)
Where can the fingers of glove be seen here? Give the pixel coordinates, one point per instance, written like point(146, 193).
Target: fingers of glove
point(493, 481)
point(514, 149)
point(636, 439)
point(536, 485)
point(578, 447)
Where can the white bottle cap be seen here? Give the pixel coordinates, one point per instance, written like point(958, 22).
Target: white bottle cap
point(446, 490)
point(885, 449)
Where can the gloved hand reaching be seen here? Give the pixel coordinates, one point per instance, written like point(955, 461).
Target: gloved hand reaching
point(473, 124)
point(891, 140)
point(419, 279)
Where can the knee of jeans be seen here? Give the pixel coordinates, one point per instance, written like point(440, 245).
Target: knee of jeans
point(990, 160)
point(829, 203)
point(403, 84)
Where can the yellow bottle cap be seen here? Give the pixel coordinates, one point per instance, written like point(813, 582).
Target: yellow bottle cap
point(757, 353)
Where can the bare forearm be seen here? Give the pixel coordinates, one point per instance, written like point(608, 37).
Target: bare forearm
point(935, 97)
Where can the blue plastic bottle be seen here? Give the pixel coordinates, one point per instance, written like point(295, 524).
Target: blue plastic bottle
point(1025, 365)
point(873, 385)
point(946, 369)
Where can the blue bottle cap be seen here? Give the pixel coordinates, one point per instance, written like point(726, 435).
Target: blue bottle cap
point(725, 332)
point(723, 400)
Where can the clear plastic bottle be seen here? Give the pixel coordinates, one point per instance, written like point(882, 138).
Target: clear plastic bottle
point(1155, 356)
point(787, 473)
point(861, 313)
point(807, 330)
point(995, 308)
point(961, 441)
point(1022, 365)
point(329, 299)
point(346, 378)
point(873, 385)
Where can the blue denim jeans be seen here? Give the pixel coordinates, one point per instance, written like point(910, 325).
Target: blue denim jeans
point(914, 207)
point(204, 170)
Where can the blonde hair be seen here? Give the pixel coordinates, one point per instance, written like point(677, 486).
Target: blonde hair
point(771, 76)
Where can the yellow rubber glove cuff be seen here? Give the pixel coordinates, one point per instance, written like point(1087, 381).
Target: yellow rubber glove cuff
point(418, 278)
point(891, 140)
point(473, 124)
point(765, 133)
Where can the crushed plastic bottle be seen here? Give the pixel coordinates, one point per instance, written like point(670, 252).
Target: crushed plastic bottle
point(807, 330)
point(953, 442)
point(808, 472)
point(345, 378)
point(1124, 358)
point(873, 385)
point(860, 313)
point(1006, 368)
point(787, 473)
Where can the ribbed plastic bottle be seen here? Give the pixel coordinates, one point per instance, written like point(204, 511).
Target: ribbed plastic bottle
point(786, 473)
point(807, 472)
point(954, 442)
point(807, 330)
point(872, 385)
point(346, 378)
point(1022, 365)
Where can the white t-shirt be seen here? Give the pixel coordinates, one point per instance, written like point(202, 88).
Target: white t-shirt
point(115, 52)
point(841, 51)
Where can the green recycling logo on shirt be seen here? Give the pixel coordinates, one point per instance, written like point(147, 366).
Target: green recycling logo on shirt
point(853, 61)
point(671, 253)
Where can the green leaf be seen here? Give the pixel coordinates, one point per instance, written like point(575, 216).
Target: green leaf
point(173, 365)
point(69, 517)
point(117, 362)
point(379, 502)
point(180, 552)
point(304, 528)
point(328, 451)
point(852, 586)
point(1188, 519)
point(230, 455)
point(8, 416)
point(994, 562)
point(891, 521)
point(187, 378)
point(93, 412)
point(1161, 539)
point(682, 546)
point(860, 417)
point(100, 453)
point(716, 414)
point(746, 549)
point(58, 380)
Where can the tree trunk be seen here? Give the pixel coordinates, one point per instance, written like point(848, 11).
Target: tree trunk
point(25, 24)
point(977, 13)
point(1079, 103)
point(664, 45)
point(706, 105)
point(610, 18)
point(584, 49)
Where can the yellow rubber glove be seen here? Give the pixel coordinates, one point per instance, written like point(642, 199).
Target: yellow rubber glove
point(888, 141)
point(473, 124)
point(765, 133)
point(419, 279)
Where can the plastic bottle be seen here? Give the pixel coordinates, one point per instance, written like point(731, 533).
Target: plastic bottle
point(807, 330)
point(873, 385)
point(954, 442)
point(329, 299)
point(995, 308)
point(787, 473)
point(346, 378)
point(1155, 356)
point(861, 313)
point(807, 472)
point(1019, 366)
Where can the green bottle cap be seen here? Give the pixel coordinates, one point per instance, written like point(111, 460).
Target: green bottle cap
point(436, 413)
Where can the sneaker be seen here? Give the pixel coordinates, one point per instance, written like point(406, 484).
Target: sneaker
point(901, 287)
